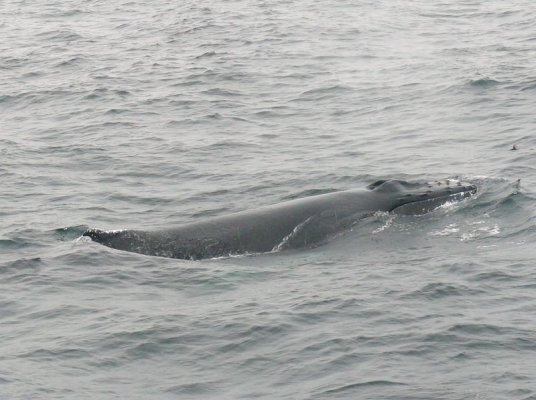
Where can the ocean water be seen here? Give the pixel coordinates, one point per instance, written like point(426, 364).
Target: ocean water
point(128, 114)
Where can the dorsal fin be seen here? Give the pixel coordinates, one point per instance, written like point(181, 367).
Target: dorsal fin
point(374, 185)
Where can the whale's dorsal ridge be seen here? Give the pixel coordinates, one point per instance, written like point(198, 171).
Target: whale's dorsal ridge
point(391, 186)
point(374, 185)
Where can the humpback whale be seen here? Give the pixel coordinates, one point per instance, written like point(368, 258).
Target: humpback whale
point(299, 223)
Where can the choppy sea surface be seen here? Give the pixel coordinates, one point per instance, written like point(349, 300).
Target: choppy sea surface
point(130, 114)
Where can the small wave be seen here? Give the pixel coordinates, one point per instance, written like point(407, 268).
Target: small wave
point(115, 111)
point(228, 144)
point(210, 212)
point(481, 329)
point(323, 93)
point(438, 290)
point(365, 384)
point(282, 112)
point(60, 35)
point(182, 122)
point(531, 85)
point(6, 98)
point(222, 92)
point(331, 89)
point(32, 74)
point(24, 263)
point(195, 29)
point(483, 83)
point(196, 388)
point(497, 276)
point(70, 62)
point(481, 232)
point(8, 63)
point(53, 355)
point(10, 244)
point(205, 55)
point(34, 97)
point(181, 103)
point(70, 232)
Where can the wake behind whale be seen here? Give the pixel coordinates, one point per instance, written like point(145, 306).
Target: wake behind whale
point(294, 224)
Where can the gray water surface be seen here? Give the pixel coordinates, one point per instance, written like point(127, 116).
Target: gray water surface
point(127, 114)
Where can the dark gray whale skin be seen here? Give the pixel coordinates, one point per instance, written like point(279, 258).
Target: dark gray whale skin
point(299, 223)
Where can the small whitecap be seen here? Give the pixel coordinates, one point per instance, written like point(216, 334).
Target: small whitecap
point(447, 230)
point(482, 231)
point(387, 219)
point(467, 236)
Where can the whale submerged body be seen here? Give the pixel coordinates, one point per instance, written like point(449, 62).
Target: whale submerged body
point(299, 223)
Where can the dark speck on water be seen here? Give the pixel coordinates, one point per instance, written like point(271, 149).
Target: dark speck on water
point(147, 115)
